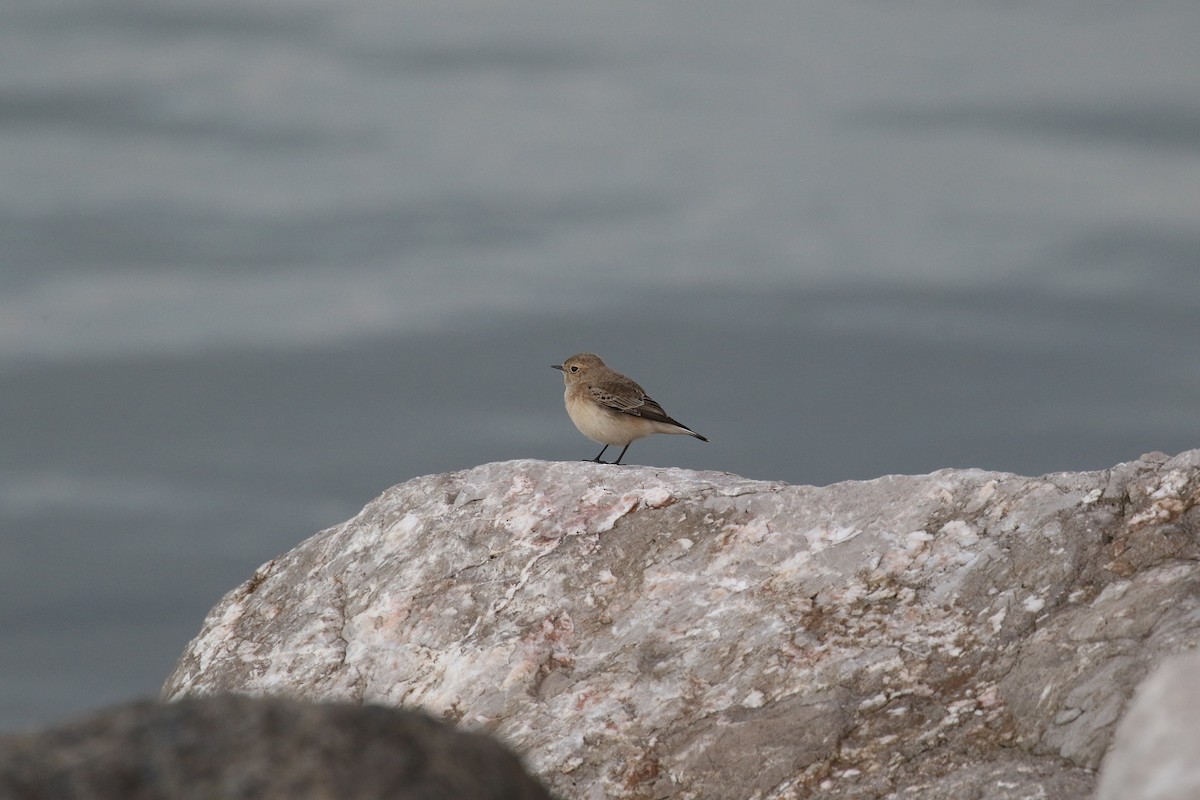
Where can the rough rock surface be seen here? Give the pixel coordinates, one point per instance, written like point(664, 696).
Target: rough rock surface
point(1156, 755)
point(638, 632)
point(259, 749)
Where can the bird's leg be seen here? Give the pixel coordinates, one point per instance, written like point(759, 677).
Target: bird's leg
point(597, 458)
point(618, 461)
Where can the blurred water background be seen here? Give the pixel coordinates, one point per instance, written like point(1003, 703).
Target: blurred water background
point(260, 260)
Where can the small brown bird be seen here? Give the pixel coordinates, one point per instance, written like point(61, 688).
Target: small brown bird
point(610, 408)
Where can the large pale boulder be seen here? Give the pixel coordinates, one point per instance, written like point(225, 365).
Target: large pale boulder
point(641, 632)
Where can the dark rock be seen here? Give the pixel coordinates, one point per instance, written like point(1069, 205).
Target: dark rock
point(230, 747)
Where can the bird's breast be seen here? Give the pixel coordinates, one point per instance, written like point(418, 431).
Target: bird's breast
point(604, 425)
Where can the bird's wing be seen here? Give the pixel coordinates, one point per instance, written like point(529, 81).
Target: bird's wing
point(635, 403)
point(618, 398)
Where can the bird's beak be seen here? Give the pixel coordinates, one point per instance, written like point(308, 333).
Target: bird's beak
point(556, 366)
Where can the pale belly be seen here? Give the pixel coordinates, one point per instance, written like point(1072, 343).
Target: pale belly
point(611, 427)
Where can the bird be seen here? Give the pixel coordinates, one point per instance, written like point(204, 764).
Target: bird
point(610, 408)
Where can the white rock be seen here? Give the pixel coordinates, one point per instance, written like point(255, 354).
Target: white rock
point(1156, 753)
point(553, 605)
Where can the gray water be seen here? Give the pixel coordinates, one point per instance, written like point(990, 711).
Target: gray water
point(261, 260)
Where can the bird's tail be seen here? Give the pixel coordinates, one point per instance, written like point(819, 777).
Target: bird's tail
point(685, 429)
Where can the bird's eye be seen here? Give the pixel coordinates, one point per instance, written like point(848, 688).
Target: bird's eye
point(574, 368)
